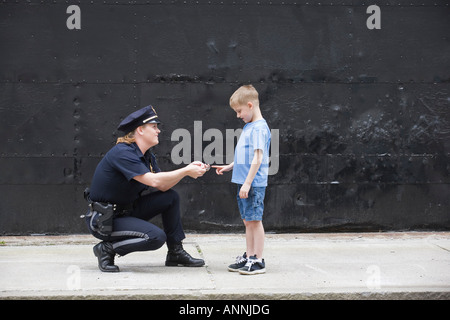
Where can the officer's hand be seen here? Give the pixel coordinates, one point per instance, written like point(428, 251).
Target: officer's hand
point(196, 169)
point(203, 165)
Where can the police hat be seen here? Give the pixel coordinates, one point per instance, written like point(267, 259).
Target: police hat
point(138, 118)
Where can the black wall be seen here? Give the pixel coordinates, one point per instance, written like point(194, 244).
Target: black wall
point(363, 115)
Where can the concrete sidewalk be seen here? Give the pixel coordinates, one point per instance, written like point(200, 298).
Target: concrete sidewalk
point(403, 265)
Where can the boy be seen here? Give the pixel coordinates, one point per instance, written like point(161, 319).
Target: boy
point(250, 170)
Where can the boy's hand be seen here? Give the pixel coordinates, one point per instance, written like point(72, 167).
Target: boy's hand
point(221, 169)
point(243, 193)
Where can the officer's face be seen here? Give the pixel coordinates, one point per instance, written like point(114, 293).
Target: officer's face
point(151, 132)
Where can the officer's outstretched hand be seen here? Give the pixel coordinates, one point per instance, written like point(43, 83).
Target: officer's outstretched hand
point(196, 169)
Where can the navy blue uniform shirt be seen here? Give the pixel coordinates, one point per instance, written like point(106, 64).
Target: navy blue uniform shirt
point(113, 178)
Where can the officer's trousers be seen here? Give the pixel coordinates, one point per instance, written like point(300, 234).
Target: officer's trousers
point(134, 232)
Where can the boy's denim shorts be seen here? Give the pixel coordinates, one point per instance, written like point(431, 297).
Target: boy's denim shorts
point(252, 208)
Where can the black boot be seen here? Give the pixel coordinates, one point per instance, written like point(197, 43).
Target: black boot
point(105, 253)
point(178, 256)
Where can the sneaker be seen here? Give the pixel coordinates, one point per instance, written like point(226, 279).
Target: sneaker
point(240, 262)
point(253, 266)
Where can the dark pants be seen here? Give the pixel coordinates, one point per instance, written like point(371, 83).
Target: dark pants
point(133, 232)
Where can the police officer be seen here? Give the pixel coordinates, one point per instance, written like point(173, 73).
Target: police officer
point(119, 208)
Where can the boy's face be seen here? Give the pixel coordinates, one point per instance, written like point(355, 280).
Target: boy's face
point(244, 112)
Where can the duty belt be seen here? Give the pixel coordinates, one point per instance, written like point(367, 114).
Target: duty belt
point(117, 209)
point(106, 212)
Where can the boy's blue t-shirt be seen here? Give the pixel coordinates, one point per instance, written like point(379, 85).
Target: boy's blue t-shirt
point(255, 135)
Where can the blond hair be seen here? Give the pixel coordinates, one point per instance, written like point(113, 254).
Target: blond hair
point(128, 138)
point(243, 95)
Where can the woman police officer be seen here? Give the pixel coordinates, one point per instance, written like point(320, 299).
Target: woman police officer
point(128, 169)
